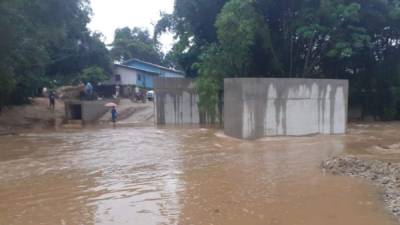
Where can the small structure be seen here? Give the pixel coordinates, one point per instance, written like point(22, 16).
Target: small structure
point(259, 107)
point(138, 73)
point(175, 101)
point(84, 112)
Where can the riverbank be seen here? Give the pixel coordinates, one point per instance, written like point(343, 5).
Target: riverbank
point(38, 116)
point(385, 175)
point(34, 116)
point(132, 113)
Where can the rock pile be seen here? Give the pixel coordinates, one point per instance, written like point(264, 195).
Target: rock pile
point(384, 174)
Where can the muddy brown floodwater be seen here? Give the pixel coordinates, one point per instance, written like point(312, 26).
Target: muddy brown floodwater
point(147, 175)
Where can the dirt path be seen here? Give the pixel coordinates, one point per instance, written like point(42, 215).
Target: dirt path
point(132, 113)
point(141, 115)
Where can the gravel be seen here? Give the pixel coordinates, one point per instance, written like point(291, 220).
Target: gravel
point(383, 174)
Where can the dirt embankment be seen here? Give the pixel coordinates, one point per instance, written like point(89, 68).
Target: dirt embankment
point(132, 113)
point(386, 175)
point(36, 115)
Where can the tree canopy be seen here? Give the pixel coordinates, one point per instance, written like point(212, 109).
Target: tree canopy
point(42, 41)
point(135, 43)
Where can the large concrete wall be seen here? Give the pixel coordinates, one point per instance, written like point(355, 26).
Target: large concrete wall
point(259, 107)
point(175, 101)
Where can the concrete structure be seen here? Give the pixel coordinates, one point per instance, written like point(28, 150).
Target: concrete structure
point(175, 101)
point(257, 107)
point(85, 111)
point(139, 73)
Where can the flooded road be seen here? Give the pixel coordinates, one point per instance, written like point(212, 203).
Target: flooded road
point(147, 175)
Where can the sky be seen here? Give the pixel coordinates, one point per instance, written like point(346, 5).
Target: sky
point(111, 14)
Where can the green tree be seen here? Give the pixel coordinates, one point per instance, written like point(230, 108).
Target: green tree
point(43, 40)
point(192, 22)
point(239, 26)
point(209, 84)
point(93, 74)
point(135, 43)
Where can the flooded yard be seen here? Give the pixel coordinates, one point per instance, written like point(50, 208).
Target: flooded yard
point(188, 176)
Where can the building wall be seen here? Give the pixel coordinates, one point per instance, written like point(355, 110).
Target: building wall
point(257, 107)
point(154, 69)
point(146, 80)
point(131, 77)
point(128, 77)
point(175, 101)
point(169, 74)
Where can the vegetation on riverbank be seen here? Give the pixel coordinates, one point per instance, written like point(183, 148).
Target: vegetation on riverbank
point(356, 40)
point(47, 43)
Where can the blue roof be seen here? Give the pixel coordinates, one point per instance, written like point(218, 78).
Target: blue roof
point(151, 68)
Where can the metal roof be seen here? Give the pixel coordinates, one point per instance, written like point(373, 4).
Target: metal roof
point(149, 67)
point(133, 68)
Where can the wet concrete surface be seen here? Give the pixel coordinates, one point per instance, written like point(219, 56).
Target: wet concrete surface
point(146, 175)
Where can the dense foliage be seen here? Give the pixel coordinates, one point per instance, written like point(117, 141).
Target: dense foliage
point(93, 74)
point(135, 43)
point(45, 42)
point(357, 40)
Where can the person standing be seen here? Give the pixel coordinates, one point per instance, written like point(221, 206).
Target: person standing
point(114, 114)
point(89, 90)
point(137, 94)
point(52, 100)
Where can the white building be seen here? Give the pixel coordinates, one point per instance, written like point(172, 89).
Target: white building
point(139, 73)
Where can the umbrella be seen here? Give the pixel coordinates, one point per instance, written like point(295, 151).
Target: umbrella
point(110, 104)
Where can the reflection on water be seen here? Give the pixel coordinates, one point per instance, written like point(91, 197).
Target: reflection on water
point(184, 176)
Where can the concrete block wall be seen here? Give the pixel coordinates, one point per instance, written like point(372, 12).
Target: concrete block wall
point(175, 101)
point(91, 111)
point(260, 107)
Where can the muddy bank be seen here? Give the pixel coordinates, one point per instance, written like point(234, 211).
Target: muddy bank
point(5, 131)
point(386, 175)
point(34, 116)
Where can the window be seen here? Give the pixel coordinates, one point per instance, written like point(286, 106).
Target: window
point(118, 78)
point(139, 77)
